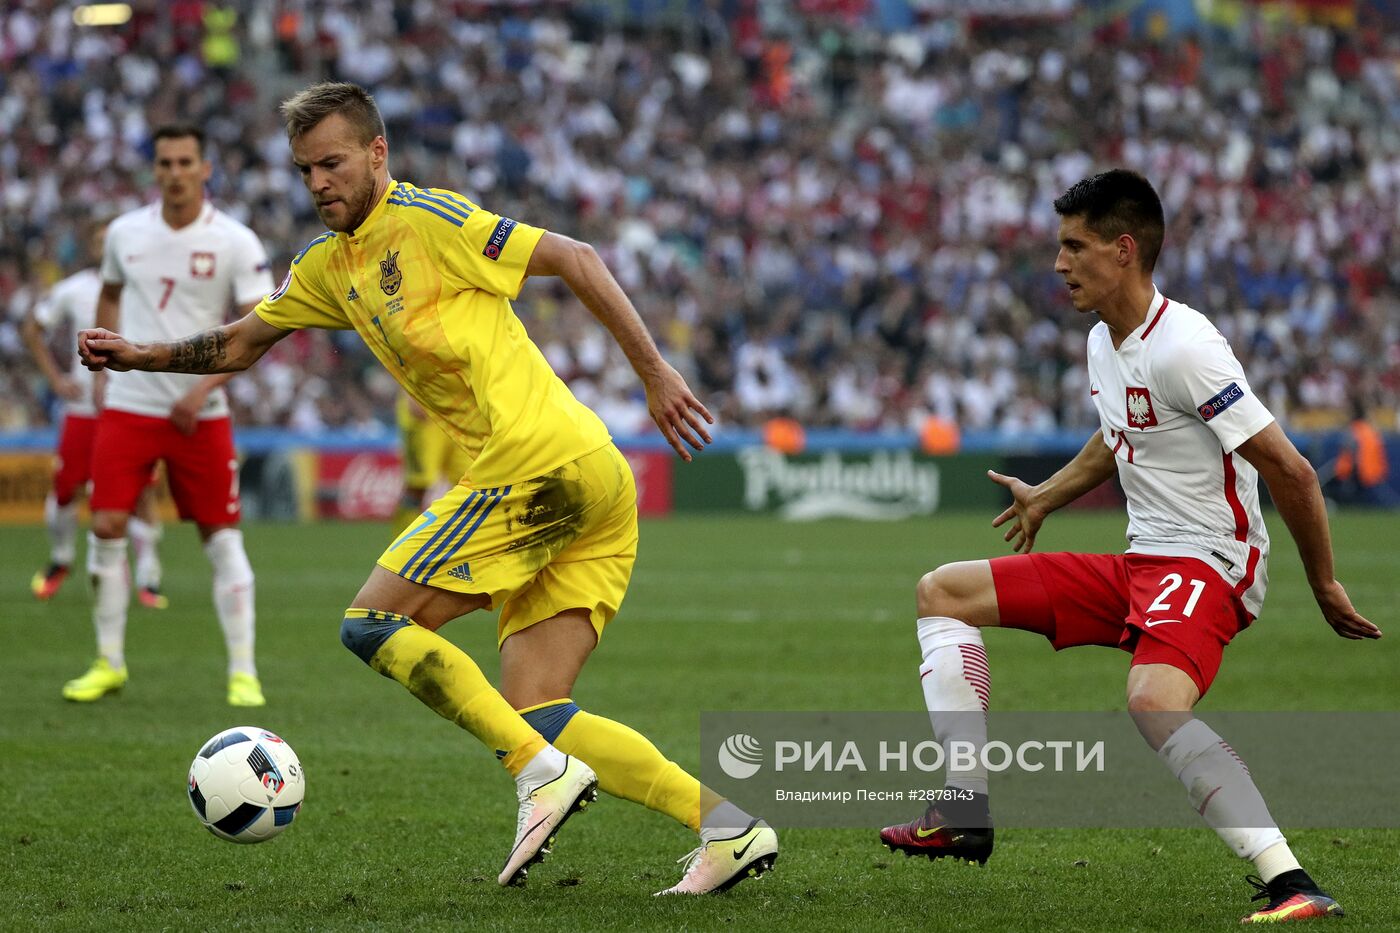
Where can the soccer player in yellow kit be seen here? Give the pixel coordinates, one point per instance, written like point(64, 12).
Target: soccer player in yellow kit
point(542, 526)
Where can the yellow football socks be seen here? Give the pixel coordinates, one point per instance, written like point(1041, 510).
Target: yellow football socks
point(630, 767)
point(449, 683)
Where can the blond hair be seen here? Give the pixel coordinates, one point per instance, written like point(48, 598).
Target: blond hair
point(312, 105)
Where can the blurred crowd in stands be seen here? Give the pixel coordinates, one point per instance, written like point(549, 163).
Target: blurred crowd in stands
point(818, 216)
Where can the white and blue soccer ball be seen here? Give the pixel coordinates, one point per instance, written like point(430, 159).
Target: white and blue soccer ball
point(246, 784)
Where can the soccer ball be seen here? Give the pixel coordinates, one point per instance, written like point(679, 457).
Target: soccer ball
point(246, 784)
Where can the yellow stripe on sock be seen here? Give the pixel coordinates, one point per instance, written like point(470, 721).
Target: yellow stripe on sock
point(531, 709)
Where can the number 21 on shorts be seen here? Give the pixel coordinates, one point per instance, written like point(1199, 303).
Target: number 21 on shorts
point(1170, 584)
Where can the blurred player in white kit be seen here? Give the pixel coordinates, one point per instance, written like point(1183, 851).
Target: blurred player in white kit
point(168, 269)
point(71, 306)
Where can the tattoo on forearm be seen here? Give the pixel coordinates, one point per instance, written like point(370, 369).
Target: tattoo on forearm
point(205, 352)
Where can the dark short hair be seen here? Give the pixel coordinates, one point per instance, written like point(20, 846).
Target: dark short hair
point(179, 131)
point(1116, 202)
point(312, 105)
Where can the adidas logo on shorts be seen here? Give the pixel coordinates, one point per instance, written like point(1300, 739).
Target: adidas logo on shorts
point(461, 572)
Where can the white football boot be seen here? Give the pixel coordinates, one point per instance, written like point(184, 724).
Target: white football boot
point(548, 796)
point(724, 861)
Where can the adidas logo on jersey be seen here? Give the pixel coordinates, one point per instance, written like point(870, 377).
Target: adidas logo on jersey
point(353, 295)
point(461, 572)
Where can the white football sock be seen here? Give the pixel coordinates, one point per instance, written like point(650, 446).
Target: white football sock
point(1221, 790)
point(957, 686)
point(106, 564)
point(233, 597)
point(144, 538)
point(62, 522)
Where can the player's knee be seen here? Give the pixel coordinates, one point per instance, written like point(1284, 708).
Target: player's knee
point(363, 631)
point(1146, 698)
point(1143, 701)
point(1157, 714)
point(1160, 685)
point(937, 593)
point(109, 525)
point(226, 553)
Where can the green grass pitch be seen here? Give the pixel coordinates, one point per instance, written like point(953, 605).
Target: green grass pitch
point(407, 819)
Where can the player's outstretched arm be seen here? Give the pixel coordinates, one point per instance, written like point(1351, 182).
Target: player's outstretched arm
point(1031, 505)
point(674, 408)
point(1294, 488)
point(228, 349)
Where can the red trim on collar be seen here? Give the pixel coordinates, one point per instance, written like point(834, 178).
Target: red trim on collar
point(1155, 319)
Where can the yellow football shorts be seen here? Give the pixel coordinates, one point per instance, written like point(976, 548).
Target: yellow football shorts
point(429, 456)
point(566, 540)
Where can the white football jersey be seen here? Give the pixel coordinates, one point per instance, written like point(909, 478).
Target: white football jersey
point(73, 302)
point(176, 283)
point(1174, 404)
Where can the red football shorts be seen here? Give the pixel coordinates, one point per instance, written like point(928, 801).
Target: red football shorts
point(74, 466)
point(1165, 610)
point(202, 468)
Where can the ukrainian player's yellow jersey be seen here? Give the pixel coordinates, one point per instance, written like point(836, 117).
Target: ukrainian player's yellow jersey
point(427, 280)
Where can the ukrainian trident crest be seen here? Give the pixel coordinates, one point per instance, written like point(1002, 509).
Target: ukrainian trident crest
point(390, 277)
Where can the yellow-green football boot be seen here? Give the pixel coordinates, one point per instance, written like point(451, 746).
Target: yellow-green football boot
point(100, 680)
point(245, 690)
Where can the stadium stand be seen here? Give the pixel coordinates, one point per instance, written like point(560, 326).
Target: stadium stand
point(837, 212)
